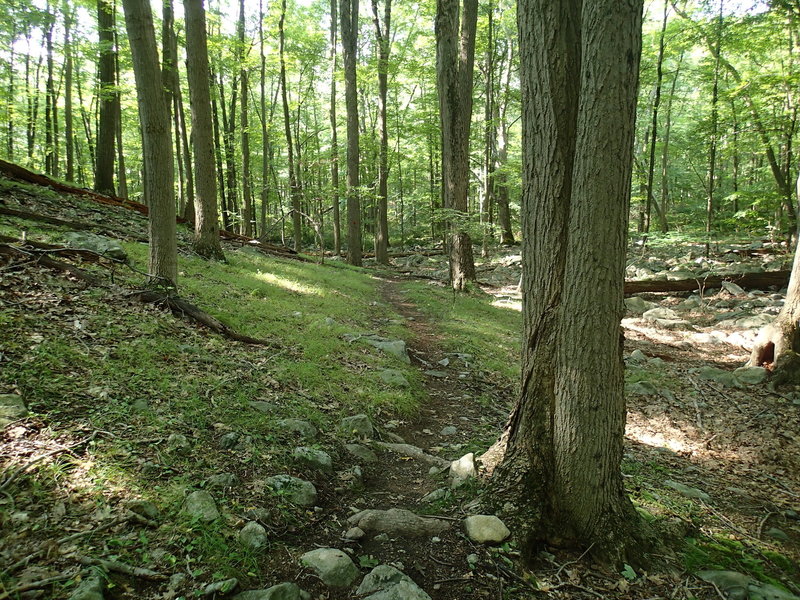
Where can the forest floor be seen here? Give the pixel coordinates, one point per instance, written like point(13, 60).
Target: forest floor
point(130, 412)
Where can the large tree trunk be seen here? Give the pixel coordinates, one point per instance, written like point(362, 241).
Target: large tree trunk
point(206, 220)
point(348, 10)
point(106, 127)
point(383, 37)
point(579, 70)
point(337, 232)
point(158, 184)
point(455, 56)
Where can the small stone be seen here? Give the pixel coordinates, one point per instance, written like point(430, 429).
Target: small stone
point(221, 587)
point(486, 529)
point(312, 458)
point(359, 426)
point(750, 375)
point(396, 348)
point(229, 440)
point(297, 491)
point(141, 405)
point(253, 536)
point(732, 288)
point(265, 407)
point(638, 306)
point(354, 533)
point(687, 491)
point(414, 452)
point(464, 468)
point(387, 583)
point(200, 505)
point(332, 566)
point(777, 534)
point(436, 374)
point(448, 430)
point(222, 480)
point(91, 588)
point(282, 591)
point(637, 356)
point(435, 495)
point(362, 453)
point(393, 377)
point(258, 514)
point(177, 442)
point(303, 428)
point(381, 537)
point(143, 508)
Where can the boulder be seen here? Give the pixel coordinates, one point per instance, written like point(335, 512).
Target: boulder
point(387, 583)
point(750, 375)
point(201, 506)
point(282, 591)
point(303, 428)
point(312, 458)
point(486, 529)
point(361, 452)
point(221, 588)
point(359, 426)
point(297, 491)
point(413, 452)
point(393, 377)
point(96, 243)
point(335, 568)
point(253, 536)
point(397, 522)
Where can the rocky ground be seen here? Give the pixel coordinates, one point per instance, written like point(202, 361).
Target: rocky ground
point(388, 506)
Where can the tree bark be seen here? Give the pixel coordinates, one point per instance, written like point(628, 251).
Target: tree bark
point(158, 184)
point(206, 219)
point(579, 71)
point(383, 38)
point(348, 10)
point(247, 190)
point(337, 231)
point(455, 57)
point(106, 127)
point(69, 134)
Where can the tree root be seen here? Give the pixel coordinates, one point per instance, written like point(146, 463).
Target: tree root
point(118, 567)
point(181, 307)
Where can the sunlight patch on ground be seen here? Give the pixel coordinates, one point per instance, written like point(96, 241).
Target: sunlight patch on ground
point(658, 433)
point(288, 284)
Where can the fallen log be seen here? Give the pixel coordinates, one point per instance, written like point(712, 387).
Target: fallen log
point(53, 265)
point(747, 281)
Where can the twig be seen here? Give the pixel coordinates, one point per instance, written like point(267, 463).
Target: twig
point(454, 580)
point(118, 567)
point(572, 562)
point(439, 562)
point(33, 585)
point(762, 523)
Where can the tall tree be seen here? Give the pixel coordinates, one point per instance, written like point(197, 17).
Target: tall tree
point(383, 38)
point(50, 108)
point(294, 184)
point(247, 191)
point(206, 219)
point(157, 141)
point(69, 135)
point(455, 57)
point(579, 72)
point(337, 233)
point(348, 10)
point(106, 126)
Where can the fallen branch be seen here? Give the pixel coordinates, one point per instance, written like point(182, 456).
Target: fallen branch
point(181, 307)
point(118, 567)
point(746, 281)
point(33, 585)
point(55, 265)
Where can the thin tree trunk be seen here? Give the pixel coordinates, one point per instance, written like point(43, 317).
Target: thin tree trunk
point(651, 165)
point(69, 134)
point(247, 191)
point(337, 232)
point(106, 130)
point(665, 144)
point(122, 177)
point(383, 38)
point(50, 156)
point(712, 142)
point(348, 10)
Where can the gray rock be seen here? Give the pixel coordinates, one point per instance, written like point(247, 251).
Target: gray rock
point(436, 374)
point(638, 306)
point(414, 452)
point(354, 533)
point(221, 587)
point(222, 480)
point(282, 591)
point(91, 588)
point(332, 566)
point(387, 583)
point(637, 356)
point(12, 408)
point(689, 492)
point(720, 376)
point(393, 377)
point(765, 591)
point(177, 442)
point(750, 375)
point(393, 437)
point(734, 585)
point(265, 407)
point(96, 243)
point(312, 458)
point(361, 452)
point(304, 428)
point(754, 322)
point(358, 426)
point(464, 467)
point(297, 491)
point(253, 536)
point(777, 534)
point(397, 522)
point(486, 529)
point(229, 440)
point(448, 430)
point(732, 288)
point(143, 508)
point(435, 495)
point(200, 505)
point(394, 347)
point(641, 388)
point(657, 314)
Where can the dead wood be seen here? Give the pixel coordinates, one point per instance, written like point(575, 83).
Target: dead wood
point(747, 281)
point(181, 307)
point(50, 263)
point(33, 585)
point(119, 567)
